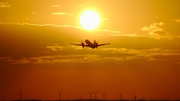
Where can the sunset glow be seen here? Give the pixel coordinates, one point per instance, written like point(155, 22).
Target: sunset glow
point(141, 58)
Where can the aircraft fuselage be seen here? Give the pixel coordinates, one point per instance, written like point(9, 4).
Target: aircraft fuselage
point(90, 44)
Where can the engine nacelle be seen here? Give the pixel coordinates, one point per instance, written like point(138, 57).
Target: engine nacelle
point(82, 45)
point(95, 43)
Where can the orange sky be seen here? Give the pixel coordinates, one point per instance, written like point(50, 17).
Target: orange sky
point(36, 55)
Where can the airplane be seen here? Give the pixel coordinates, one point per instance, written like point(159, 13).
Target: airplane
point(90, 44)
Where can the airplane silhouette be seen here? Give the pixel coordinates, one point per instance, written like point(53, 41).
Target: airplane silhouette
point(90, 44)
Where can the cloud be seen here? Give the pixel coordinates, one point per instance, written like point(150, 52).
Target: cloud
point(117, 33)
point(11, 60)
point(56, 6)
point(153, 27)
point(101, 32)
point(105, 32)
point(128, 34)
point(4, 5)
point(155, 31)
point(177, 20)
point(52, 59)
point(107, 55)
point(34, 13)
point(32, 24)
point(61, 13)
point(154, 54)
point(110, 31)
point(56, 47)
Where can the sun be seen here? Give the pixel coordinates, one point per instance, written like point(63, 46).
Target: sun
point(89, 20)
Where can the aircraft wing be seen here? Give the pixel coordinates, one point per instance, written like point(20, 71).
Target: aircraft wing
point(76, 44)
point(104, 44)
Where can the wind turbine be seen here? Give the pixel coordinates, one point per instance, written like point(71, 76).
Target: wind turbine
point(135, 97)
point(143, 98)
point(20, 93)
point(95, 94)
point(90, 93)
point(60, 95)
point(103, 95)
point(120, 96)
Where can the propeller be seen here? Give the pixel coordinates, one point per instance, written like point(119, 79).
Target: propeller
point(96, 43)
point(82, 43)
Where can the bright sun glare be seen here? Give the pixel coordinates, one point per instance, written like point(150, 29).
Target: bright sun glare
point(89, 20)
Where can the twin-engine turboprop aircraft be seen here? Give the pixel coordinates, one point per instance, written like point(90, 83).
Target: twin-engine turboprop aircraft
point(87, 43)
